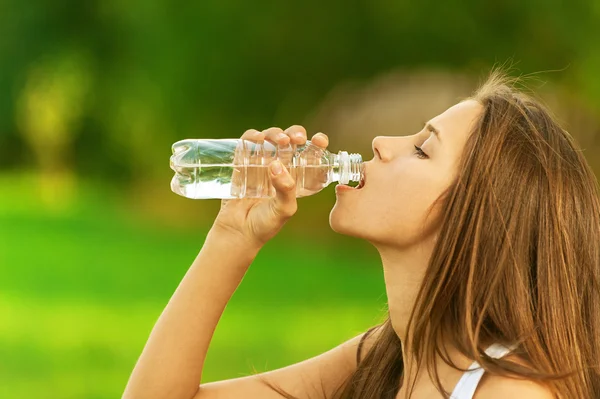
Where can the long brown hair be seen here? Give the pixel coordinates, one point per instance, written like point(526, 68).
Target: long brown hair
point(517, 262)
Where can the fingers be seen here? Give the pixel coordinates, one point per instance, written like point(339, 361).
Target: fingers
point(284, 203)
point(320, 139)
point(293, 135)
point(276, 136)
point(297, 134)
point(284, 148)
point(253, 135)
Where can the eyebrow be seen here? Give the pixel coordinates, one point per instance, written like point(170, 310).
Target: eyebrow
point(434, 130)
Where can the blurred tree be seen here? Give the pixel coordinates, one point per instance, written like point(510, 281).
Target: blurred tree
point(161, 71)
point(49, 110)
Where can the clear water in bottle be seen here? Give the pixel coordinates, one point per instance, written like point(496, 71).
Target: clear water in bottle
point(235, 168)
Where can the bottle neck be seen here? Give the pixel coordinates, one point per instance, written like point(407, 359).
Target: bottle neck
point(347, 167)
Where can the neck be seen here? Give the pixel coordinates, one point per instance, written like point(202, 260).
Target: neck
point(404, 270)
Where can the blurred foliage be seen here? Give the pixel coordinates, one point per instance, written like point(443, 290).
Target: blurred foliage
point(95, 92)
point(123, 80)
point(80, 291)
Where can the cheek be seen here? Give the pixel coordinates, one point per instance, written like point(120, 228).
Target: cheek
point(398, 208)
point(393, 209)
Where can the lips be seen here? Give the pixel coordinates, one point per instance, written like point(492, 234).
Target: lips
point(361, 184)
point(347, 187)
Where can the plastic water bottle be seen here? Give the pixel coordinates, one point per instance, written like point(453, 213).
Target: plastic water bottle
point(236, 168)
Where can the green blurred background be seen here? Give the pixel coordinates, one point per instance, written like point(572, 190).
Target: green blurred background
point(92, 240)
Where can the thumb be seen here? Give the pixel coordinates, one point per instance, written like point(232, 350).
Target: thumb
point(284, 203)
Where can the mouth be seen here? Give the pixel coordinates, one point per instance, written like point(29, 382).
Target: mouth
point(363, 177)
point(351, 185)
point(360, 184)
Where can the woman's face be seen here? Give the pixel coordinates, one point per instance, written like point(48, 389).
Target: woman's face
point(400, 183)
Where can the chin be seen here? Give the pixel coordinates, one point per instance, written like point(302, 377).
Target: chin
point(342, 222)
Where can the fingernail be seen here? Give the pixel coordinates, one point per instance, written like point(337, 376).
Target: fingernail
point(276, 167)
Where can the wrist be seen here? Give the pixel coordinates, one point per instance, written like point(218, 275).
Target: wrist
point(232, 240)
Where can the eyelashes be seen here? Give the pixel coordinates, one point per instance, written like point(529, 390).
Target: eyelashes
point(420, 153)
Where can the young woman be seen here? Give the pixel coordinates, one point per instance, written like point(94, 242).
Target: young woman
point(489, 237)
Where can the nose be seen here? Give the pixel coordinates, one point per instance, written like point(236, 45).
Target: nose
point(379, 148)
point(387, 148)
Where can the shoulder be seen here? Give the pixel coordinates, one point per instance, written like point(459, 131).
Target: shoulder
point(366, 342)
point(500, 387)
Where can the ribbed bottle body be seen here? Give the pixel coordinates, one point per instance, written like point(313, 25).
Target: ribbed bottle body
point(236, 168)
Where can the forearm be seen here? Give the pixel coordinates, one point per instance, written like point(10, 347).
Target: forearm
point(172, 360)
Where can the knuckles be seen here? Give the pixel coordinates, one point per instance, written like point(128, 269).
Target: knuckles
point(273, 130)
point(295, 129)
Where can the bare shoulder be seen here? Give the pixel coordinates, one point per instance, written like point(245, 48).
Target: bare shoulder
point(368, 340)
point(502, 387)
point(498, 387)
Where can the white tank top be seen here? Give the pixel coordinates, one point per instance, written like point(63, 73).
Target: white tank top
point(466, 386)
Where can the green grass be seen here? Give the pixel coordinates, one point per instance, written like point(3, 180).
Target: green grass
point(81, 289)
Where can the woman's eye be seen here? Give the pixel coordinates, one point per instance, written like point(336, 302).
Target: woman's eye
point(420, 153)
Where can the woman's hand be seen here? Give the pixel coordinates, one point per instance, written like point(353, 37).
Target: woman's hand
point(256, 220)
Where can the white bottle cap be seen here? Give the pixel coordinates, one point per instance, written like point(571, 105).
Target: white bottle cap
point(344, 167)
